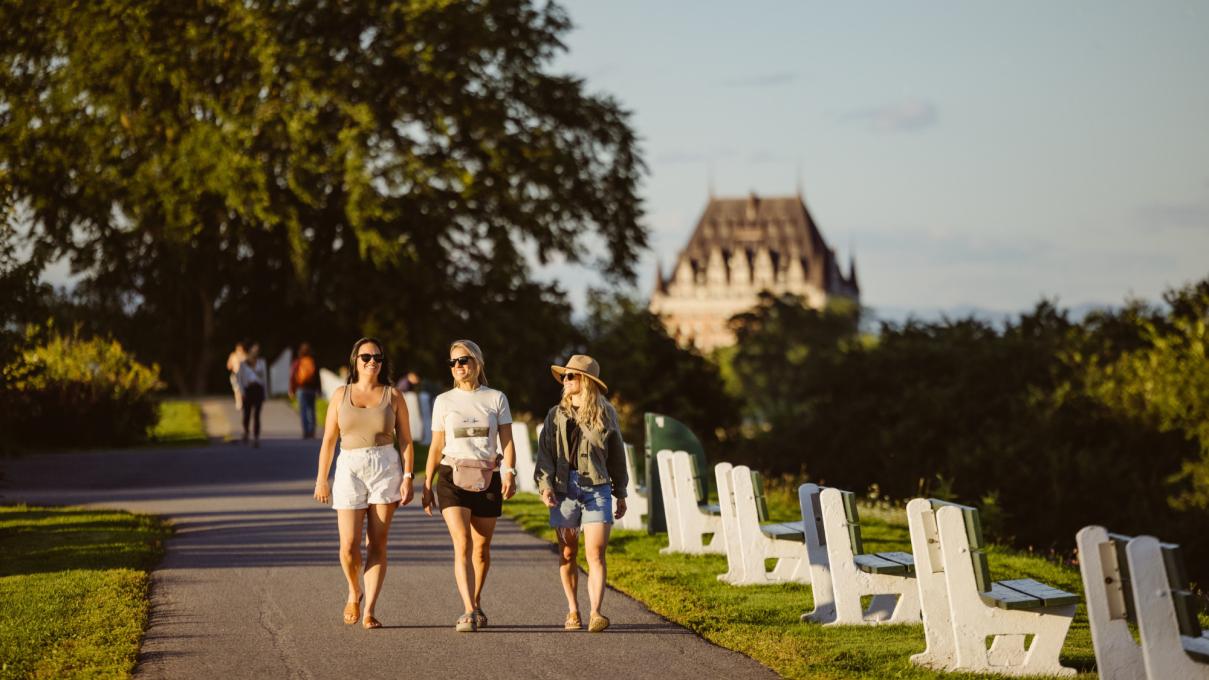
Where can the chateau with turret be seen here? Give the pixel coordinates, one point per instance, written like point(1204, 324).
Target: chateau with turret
point(742, 246)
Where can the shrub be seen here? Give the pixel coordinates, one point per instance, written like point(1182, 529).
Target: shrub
point(66, 391)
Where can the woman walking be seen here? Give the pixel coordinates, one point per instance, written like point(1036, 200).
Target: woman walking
point(467, 421)
point(253, 379)
point(580, 469)
point(372, 478)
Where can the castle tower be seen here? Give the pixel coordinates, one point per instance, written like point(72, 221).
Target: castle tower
point(742, 246)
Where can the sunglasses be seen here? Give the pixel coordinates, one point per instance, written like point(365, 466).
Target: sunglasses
point(568, 377)
point(459, 361)
point(376, 358)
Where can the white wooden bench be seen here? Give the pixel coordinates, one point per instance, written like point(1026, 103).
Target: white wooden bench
point(689, 518)
point(888, 576)
point(1009, 612)
point(1104, 567)
point(821, 590)
point(750, 539)
point(1173, 644)
point(526, 461)
point(637, 505)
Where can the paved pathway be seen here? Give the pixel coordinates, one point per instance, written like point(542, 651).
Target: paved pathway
point(251, 585)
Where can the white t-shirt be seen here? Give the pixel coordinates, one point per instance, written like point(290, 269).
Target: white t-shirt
point(470, 421)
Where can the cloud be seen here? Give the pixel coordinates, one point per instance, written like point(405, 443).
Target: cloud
point(1175, 214)
point(762, 79)
point(908, 115)
point(694, 156)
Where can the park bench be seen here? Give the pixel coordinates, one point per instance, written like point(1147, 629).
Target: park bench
point(637, 503)
point(821, 590)
point(948, 547)
point(750, 538)
point(888, 576)
point(665, 432)
point(526, 461)
point(1104, 567)
point(689, 518)
point(1141, 580)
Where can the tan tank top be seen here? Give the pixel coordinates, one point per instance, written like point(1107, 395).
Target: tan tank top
point(364, 427)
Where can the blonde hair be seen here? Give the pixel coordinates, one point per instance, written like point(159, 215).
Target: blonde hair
point(480, 366)
point(590, 416)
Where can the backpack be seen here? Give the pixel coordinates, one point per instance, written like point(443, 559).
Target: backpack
point(304, 373)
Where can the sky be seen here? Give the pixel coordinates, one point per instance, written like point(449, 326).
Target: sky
point(971, 154)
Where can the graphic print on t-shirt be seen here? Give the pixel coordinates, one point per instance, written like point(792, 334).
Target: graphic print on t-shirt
point(470, 425)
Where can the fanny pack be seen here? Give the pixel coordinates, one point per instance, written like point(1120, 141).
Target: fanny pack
point(471, 474)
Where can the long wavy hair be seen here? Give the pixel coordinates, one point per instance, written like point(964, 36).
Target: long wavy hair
point(590, 415)
point(480, 367)
point(384, 377)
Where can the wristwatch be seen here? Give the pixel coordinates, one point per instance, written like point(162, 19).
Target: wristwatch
point(506, 470)
point(409, 475)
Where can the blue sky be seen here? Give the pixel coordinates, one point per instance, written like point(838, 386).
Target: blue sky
point(972, 153)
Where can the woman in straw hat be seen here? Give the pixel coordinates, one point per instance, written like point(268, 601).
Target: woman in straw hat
point(580, 469)
point(470, 487)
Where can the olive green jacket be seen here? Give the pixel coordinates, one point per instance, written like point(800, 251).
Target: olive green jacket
point(600, 458)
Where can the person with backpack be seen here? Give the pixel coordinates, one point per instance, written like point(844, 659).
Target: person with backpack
point(304, 384)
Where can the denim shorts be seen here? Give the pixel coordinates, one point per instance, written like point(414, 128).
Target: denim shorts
point(581, 505)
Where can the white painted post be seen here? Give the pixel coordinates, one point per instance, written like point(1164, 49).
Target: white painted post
point(526, 461)
point(1162, 644)
point(941, 651)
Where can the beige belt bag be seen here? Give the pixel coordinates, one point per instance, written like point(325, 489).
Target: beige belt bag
point(471, 474)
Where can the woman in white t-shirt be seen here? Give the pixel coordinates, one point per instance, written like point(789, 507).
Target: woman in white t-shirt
point(469, 486)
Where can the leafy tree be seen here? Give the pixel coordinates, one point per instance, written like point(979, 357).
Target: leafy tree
point(218, 170)
point(647, 371)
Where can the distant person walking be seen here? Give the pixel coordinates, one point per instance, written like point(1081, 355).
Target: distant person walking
point(580, 469)
point(372, 478)
point(234, 359)
point(467, 421)
point(253, 383)
point(304, 384)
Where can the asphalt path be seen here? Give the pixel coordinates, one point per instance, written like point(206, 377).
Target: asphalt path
point(251, 583)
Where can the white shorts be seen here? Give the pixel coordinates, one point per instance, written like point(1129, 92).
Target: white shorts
point(365, 476)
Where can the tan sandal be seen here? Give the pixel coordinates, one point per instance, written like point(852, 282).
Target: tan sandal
point(370, 622)
point(352, 612)
point(480, 619)
point(573, 622)
point(465, 623)
point(597, 623)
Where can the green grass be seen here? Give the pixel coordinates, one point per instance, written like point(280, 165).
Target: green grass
point(762, 621)
point(74, 590)
point(180, 423)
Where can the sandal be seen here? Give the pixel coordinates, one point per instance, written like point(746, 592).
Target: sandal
point(465, 623)
point(352, 611)
point(573, 622)
point(480, 619)
point(597, 623)
point(370, 622)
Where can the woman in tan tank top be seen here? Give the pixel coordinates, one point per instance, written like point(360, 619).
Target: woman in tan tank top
point(372, 478)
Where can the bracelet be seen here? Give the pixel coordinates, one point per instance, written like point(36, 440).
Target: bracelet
point(409, 475)
point(506, 470)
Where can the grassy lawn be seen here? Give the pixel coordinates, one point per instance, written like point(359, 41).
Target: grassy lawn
point(762, 621)
point(180, 423)
point(74, 590)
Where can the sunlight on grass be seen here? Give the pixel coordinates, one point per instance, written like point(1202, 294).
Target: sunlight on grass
point(74, 590)
point(763, 621)
point(180, 422)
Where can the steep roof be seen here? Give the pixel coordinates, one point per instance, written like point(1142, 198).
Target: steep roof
point(782, 224)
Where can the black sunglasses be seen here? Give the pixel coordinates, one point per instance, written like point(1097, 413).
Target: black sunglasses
point(376, 358)
point(570, 376)
point(459, 361)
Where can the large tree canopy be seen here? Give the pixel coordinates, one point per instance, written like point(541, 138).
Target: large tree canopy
point(219, 169)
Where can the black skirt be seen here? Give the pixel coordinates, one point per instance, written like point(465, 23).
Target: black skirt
point(486, 503)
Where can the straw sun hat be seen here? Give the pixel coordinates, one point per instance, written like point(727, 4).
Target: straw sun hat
point(583, 365)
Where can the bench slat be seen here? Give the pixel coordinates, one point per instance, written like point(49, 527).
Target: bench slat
point(1119, 541)
point(785, 531)
point(876, 564)
point(904, 558)
point(1197, 648)
point(1185, 603)
point(757, 486)
point(1008, 598)
point(982, 570)
point(1049, 595)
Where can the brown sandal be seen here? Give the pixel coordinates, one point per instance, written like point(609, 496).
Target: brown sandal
point(573, 622)
point(352, 612)
point(370, 622)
